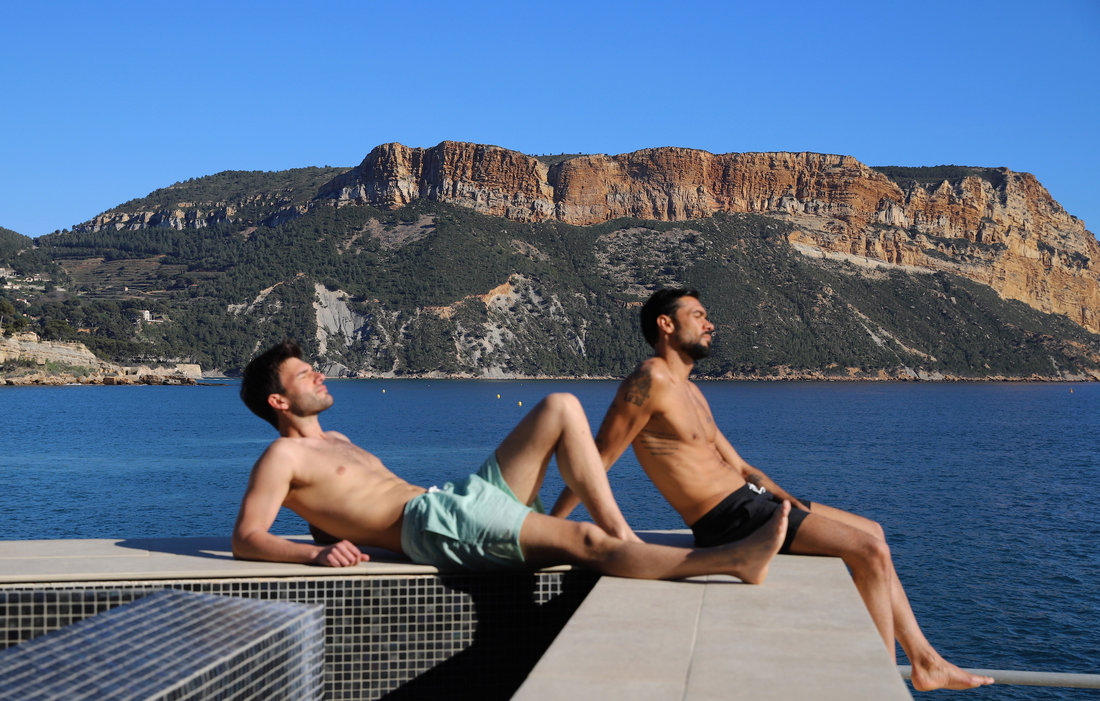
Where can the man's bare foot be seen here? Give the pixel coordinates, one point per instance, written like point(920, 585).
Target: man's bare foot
point(938, 673)
point(755, 553)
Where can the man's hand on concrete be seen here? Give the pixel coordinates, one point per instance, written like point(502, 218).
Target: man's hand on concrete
point(342, 554)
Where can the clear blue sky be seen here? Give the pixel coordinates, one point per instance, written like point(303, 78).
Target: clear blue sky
point(104, 102)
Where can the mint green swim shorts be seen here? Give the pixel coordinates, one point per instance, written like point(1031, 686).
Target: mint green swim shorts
point(472, 525)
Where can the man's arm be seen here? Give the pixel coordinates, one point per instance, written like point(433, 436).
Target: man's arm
point(752, 475)
point(628, 414)
point(268, 486)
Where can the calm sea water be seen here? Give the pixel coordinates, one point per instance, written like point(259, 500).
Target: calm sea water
point(989, 493)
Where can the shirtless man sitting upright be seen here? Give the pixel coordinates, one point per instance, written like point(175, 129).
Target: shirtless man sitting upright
point(664, 416)
point(490, 521)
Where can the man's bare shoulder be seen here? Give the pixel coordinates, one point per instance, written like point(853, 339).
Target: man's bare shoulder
point(283, 453)
point(647, 383)
point(286, 447)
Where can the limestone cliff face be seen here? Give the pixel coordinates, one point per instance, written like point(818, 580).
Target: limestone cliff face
point(1012, 236)
point(27, 346)
point(175, 218)
point(666, 184)
point(488, 179)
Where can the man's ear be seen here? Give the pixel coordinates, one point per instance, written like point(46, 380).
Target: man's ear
point(666, 324)
point(278, 402)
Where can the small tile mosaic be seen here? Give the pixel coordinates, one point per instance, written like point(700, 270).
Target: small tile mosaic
point(173, 645)
point(451, 636)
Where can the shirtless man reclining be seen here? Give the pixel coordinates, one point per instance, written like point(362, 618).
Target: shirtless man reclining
point(664, 416)
point(489, 521)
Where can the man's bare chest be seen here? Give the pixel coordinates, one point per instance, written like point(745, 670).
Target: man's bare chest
point(339, 466)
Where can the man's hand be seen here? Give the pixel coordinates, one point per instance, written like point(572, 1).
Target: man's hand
point(342, 554)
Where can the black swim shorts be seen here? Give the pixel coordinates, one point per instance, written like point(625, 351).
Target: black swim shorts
point(740, 515)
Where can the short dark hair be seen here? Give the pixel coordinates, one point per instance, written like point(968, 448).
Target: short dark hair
point(662, 302)
point(260, 379)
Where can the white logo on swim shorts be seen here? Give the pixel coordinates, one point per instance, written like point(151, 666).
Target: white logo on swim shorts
point(758, 490)
point(434, 490)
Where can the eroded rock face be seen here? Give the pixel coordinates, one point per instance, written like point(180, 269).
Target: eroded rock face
point(488, 179)
point(1012, 236)
point(177, 218)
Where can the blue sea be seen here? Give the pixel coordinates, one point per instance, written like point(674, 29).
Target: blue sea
point(989, 493)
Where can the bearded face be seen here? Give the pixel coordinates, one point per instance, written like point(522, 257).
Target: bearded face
point(697, 351)
point(691, 329)
point(696, 343)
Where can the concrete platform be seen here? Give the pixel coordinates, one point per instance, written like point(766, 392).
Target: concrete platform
point(805, 633)
point(40, 561)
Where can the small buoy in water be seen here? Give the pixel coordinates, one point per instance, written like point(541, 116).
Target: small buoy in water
point(521, 403)
point(383, 391)
point(498, 396)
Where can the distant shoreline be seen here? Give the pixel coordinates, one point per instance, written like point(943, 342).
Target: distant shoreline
point(44, 379)
point(729, 377)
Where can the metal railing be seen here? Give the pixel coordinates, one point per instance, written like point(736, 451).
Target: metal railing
point(1008, 676)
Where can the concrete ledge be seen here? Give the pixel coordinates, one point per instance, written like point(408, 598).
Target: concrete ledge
point(805, 633)
point(42, 561)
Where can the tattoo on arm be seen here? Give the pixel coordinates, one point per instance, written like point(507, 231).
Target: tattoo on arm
point(636, 387)
point(658, 443)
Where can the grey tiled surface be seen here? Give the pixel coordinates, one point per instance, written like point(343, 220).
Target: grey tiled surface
point(451, 636)
point(804, 633)
point(172, 645)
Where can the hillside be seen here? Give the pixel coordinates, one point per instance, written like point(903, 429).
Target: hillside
point(432, 285)
point(11, 243)
point(17, 252)
point(992, 225)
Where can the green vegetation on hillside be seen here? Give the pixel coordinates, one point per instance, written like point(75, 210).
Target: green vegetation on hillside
point(219, 293)
point(932, 176)
point(296, 185)
point(18, 252)
point(11, 243)
point(411, 286)
point(553, 159)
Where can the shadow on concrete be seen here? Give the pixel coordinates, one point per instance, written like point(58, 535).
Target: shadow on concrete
point(513, 632)
point(220, 548)
point(210, 548)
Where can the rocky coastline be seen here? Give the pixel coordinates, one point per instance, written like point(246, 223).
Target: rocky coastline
point(42, 379)
point(781, 375)
point(25, 360)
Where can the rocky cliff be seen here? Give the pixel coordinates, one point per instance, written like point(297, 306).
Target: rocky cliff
point(224, 198)
point(1003, 230)
point(60, 363)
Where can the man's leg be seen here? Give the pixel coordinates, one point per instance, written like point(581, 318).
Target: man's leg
point(547, 541)
point(906, 629)
point(557, 426)
point(853, 539)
